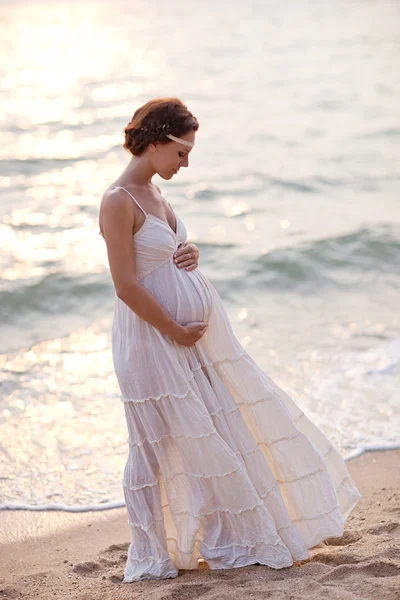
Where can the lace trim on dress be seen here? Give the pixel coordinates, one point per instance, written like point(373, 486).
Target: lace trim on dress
point(134, 524)
point(174, 395)
point(199, 541)
point(218, 362)
point(210, 364)
point(289, 437)
point(260, 504)
point(135, 488)
point(225, 412)
point(188, 391)
point(170, 435)
point(260, 541)
point(224, 510)
point(197, 437)
point(199, 475)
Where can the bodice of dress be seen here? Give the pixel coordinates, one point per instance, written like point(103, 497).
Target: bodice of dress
point(155, 242)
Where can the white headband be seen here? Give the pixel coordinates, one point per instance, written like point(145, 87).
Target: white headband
point(180, 140)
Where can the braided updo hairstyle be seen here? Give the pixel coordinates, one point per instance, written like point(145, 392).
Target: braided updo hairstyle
point(154, 120)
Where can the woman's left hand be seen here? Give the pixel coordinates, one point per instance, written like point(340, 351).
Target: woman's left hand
point(187, 256)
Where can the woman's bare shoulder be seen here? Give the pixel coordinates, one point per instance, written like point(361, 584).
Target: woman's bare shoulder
point(116, 208)
point(116, 197)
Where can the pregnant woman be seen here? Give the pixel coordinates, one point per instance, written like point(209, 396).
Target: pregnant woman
point(223, 465)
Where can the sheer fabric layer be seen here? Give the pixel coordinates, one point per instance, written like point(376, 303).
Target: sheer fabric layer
point(222, 463)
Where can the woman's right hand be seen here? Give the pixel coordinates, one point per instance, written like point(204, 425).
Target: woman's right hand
point(189, 334)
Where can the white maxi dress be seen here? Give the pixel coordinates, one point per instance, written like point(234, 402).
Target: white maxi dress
point(223, 466)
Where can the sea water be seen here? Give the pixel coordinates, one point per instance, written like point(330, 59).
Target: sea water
point(292, 196)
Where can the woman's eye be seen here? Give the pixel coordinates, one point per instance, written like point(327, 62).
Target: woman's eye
point(181, 154)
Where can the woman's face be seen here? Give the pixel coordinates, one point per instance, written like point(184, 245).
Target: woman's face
point(168, 158)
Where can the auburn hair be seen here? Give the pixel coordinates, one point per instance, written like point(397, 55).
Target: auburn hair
point(154, 120)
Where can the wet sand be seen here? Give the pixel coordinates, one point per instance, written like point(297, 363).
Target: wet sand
point(81, 556)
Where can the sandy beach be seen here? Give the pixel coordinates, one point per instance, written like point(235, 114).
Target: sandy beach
point(81, 556)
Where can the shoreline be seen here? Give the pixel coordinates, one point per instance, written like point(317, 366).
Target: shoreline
point(81, 556)
point(11, 506)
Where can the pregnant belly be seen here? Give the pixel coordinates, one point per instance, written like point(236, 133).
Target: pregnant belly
point(184, 294)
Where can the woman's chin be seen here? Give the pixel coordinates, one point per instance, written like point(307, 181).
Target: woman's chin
point(166, 176)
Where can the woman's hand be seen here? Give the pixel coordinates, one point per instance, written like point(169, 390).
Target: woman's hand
point(191, 333)
point(187, 256)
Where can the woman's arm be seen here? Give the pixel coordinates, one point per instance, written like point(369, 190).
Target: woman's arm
point(116, 222)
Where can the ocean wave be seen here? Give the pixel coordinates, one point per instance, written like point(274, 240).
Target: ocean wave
point(345, 260)
point(31, 310)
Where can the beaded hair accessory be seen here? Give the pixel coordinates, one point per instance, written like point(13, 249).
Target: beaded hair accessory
point(180, 140)
point(165, 129)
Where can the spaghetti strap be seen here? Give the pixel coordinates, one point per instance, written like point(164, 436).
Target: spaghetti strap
point(133, 198)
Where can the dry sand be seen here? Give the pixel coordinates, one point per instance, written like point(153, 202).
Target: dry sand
point(81, 556)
